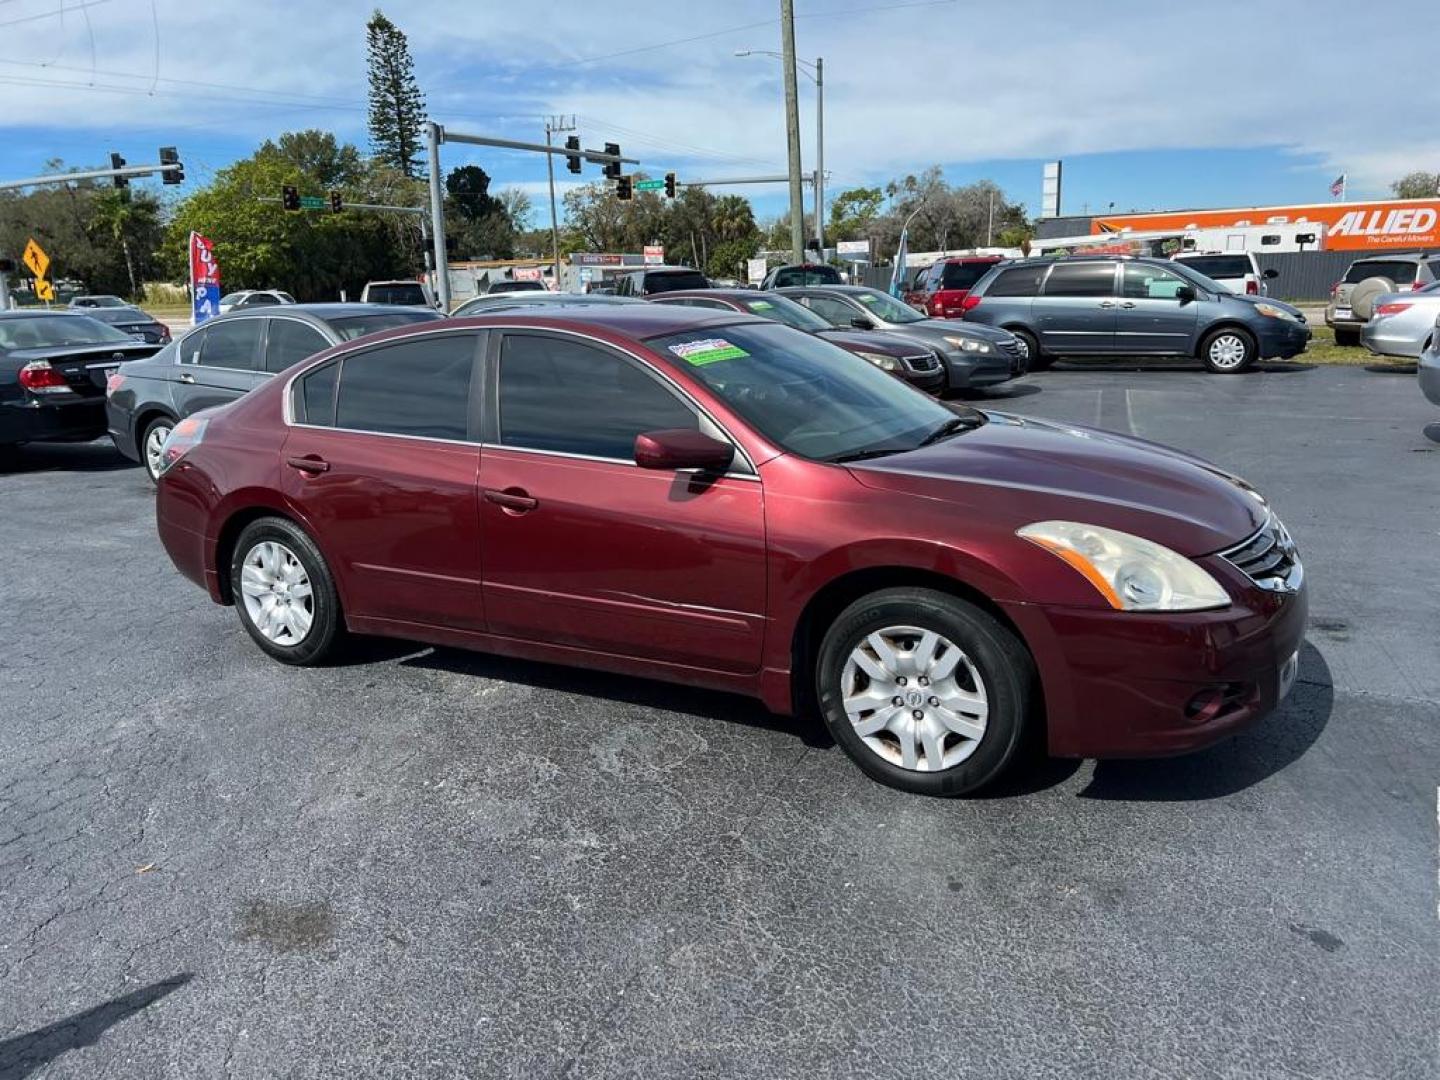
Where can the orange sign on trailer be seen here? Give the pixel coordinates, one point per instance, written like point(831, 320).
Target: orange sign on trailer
point(1349, 226)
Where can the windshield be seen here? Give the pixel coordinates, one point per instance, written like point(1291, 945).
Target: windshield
point(784, 310)
point(517, 286)
point(806, 275)
point(44, 331)
point(1218, 266)
point(403, 293)
point(807, 395)
point(352, 326)
point(887, 307)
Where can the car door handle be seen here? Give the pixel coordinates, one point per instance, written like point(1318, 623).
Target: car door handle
point(512, 500)
point(308, 464)
point(1107, 303)
point(1128, 303)
point(186, 377)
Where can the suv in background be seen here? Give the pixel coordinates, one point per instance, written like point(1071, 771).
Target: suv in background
point(400, 293)
point(1238, 271)
point(658, 279)
point(948, 282)
point(1353, 297)
point(1119, 305)
point(783, 277)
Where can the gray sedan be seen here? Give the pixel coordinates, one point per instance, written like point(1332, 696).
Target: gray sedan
point(1429, 370)
point(1403, 323)
point(975, 356)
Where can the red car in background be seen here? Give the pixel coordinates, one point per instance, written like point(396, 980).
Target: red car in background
point(720, 500)
point(947, 283)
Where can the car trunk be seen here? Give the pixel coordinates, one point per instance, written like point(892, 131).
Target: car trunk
point(85, 367)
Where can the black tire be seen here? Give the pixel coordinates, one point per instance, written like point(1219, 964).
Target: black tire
point(326, 633)
point(1347, 337)
point(160, 423)
point(1001, 661)
point(1231, 336)
point(1034, 360)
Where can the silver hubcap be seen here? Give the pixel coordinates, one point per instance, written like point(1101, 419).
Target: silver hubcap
point(277, 594)
point(154, 443)
point(915, 698)
point(1227, 351)
point(1024, 346)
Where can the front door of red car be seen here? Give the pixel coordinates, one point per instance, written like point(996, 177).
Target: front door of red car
point(382, 460)
point(584, 548)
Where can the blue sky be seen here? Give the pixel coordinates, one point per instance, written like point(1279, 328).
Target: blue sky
point(1151, 105)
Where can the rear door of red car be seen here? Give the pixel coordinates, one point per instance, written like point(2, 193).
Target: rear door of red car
point(584, 548)
point(383, 459)
point(954, 285)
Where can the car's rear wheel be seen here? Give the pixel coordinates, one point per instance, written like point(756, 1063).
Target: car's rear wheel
point(1228, 351)
point(284, 592)
point(927, 693)
point(152, 442)
point(1030, 348)
point(1347, 337)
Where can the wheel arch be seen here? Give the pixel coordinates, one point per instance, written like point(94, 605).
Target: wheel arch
point(1225, 324)
point(252, 510)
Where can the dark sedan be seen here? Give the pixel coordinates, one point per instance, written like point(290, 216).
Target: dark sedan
point(917, 364)
point(975, 356)
point(53, 366)
point(133, 322)
point(718, 500)
point(223, 358)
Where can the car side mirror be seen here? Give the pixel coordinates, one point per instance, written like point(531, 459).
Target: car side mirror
point(1186, 294)
point(859, 322)
point(1271, 274)
point(682, 448)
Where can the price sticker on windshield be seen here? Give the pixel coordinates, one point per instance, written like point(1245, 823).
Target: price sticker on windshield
point(707, 351)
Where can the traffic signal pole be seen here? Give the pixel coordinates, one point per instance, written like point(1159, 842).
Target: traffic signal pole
point(435, 134)
point(91, 174)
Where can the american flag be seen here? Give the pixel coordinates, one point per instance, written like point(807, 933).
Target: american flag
point(1337, 187)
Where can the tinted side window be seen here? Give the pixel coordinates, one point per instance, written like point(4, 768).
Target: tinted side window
point(315, 396)
point(1144, 282)
point(835, 312)
point(289, 342)
point(232, 345)
point(259, 300)
point(1081, 279)
point(410, 388)
point(1020, 281)
point(569, 397)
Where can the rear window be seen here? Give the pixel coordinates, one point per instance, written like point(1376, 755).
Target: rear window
point(1401, 273)
point(1219, 266)
point(674, 280)
point(806, 275)
point(963, 275)
point(405, 293)
point(1018, 281)
point(353, 326)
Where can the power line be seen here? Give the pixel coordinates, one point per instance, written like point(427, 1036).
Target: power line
point(230, 87)
point(52, 14)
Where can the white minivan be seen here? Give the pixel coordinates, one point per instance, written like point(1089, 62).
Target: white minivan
point(1238, 271)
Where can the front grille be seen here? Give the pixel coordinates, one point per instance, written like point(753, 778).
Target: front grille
point(1268, 558)
point(922, 362)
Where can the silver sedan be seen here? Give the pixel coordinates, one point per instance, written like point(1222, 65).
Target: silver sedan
point(1403, 323)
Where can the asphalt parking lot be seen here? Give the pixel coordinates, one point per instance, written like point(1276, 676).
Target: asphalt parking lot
point(430, 863)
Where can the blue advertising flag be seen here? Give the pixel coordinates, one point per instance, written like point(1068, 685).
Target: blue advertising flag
point(897, 277)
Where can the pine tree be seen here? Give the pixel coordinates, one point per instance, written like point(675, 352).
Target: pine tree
point(397, 108)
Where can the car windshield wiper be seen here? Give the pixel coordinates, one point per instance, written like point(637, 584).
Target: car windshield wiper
point(951, 427)
point(863, 455)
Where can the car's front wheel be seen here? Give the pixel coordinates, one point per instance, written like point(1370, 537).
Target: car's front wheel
point(284, 592)
point(1228, 351)
point(152, 443)
point(1030, 350)
point(927, 693)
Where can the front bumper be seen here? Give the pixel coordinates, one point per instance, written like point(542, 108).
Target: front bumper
point(970, 371)
point(1282, 338)
point(1429, 373)
point(932, 382)
point(1125, 684)
point(76, 420)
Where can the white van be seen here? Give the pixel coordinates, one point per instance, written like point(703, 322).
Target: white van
point(1238, 271)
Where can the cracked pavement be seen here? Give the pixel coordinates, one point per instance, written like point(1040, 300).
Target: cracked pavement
point(430, 863)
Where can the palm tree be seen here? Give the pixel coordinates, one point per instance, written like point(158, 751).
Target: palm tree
point(733, 218)
point(115, 213)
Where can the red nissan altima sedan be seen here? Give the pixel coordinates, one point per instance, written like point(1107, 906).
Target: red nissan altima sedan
point(715, 499)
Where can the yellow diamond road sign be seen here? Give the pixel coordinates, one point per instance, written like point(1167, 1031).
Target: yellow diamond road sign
point(36, 259)
point(44, 290)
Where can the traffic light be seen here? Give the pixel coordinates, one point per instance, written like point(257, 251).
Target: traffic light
point(669, 185)
point(336, 203)
point(290, 197)
point(118, 162)
point(572, 159)
point(170, 156)
point(612, 168)
point(622, 187)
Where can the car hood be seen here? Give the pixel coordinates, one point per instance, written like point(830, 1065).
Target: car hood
point(872, 341)
point(993, 334)
point(1021, 470)
point(1253, 301)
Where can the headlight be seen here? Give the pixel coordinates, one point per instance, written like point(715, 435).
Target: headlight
point(880, 360)
point(1130, 573)
point(1275, 313)
point(965, 344)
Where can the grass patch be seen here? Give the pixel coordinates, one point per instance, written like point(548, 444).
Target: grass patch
point(1323, 350)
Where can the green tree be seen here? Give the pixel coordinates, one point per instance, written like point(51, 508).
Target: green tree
point(1417, 185)
point(728, 258)
point(124, 219)
point(317, 154)
point(853, 211)
point(397, 108)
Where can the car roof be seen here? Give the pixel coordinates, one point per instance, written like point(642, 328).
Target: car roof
point(33, 313)
point(723, 293)
point(636, 321)
point(666, 269)
point(827, 289)
point(321, 313)
point(969, 258)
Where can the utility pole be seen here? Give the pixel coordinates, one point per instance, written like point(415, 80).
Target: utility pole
point(792, 131)
point(434, 136)
point(555, 123)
